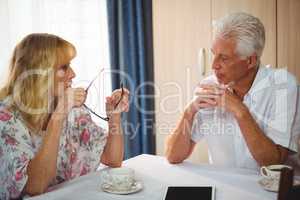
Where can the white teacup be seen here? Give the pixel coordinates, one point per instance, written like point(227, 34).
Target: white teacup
point(121, 179)
point(272, 171)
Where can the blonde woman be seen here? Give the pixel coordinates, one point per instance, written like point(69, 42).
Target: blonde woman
point(46, 135)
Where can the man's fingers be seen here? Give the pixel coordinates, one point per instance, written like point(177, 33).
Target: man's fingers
point(210, 86)
point(207, 96)
point(207, 85)
point(205, 105)
point(218, 91)
point(209, 101)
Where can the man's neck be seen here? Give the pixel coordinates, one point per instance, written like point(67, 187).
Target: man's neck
point(243, 86)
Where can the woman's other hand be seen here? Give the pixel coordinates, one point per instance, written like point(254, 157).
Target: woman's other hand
point(117, 102)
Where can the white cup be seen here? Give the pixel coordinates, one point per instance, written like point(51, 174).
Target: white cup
point(121, 179)
point(272, 171)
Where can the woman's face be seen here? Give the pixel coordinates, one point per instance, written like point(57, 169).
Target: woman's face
point(63, 78)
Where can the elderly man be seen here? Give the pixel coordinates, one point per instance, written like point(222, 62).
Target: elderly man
point(245, 111)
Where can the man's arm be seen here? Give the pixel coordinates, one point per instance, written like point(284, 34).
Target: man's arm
point(262, 148)
point(179, 144)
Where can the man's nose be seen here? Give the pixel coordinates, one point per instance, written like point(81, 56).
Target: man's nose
point(215, 64)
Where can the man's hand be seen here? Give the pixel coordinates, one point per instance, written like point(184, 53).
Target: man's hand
point(205, 97)
point(231, 102)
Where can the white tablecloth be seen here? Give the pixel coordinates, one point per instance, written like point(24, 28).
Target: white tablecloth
point(156, 174)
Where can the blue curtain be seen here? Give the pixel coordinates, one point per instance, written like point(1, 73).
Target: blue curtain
point(131, 56)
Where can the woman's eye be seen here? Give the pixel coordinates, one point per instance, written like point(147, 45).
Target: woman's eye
point(65, 67)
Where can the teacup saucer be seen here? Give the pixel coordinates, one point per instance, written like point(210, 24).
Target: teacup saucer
point(137, 186)
point(272, 185)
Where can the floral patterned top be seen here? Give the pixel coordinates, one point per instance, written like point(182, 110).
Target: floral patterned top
point(80, 148)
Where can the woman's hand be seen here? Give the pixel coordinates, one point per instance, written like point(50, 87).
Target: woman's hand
point(117, 103)
point(113, 152)
point(72, 97)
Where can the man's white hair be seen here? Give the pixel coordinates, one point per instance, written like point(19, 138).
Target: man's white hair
point(247, 31)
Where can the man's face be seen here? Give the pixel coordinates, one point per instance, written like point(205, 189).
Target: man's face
point(227, 64)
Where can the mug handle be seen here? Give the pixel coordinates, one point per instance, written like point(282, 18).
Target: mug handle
point(264, 171)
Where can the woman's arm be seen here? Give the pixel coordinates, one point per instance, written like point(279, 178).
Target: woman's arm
point(41, 169)
point(114, 149)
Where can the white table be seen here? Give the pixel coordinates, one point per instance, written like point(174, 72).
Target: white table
point(156, 174)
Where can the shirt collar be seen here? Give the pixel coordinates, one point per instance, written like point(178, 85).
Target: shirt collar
point(260, 82)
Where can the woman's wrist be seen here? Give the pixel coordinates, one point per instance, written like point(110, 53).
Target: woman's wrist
point(57, 116)
point(60, 112)
point(115, 118)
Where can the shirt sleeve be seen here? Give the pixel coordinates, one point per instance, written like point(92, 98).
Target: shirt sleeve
point(92, 139)
point(282, 127)
point(295, 142)
point(15, 153)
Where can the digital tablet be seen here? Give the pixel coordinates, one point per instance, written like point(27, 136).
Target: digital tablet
point(190, 193)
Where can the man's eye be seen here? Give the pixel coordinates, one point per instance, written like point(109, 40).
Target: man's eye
point(224, 59)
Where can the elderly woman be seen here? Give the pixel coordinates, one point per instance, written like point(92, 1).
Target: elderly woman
point(47, 135)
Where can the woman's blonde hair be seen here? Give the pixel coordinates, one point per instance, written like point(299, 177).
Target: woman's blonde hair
point(29, 87)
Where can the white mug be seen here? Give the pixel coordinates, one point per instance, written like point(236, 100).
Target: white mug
point(121, 179)
point(272, 171)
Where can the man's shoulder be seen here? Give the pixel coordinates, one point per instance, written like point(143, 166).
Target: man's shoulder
point(279, 75)
point(274, 78)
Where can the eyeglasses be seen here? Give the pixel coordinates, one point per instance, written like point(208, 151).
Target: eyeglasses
point(118, 102)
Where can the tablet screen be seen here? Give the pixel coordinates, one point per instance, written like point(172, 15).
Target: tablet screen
point(190, 193)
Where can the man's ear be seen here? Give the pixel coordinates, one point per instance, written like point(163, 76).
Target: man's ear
point(252, 61)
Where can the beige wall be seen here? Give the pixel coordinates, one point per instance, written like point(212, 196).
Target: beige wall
point(288, 31)
point(180, 30)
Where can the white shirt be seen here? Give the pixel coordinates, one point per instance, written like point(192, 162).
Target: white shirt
point(272, 102)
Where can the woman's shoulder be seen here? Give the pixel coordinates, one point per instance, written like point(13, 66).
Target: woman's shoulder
point(7, 115)
point(11, 125)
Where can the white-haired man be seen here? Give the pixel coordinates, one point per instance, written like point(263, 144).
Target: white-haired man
point(245, 111)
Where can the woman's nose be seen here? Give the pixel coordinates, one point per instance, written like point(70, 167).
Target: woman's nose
point(71, 73)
